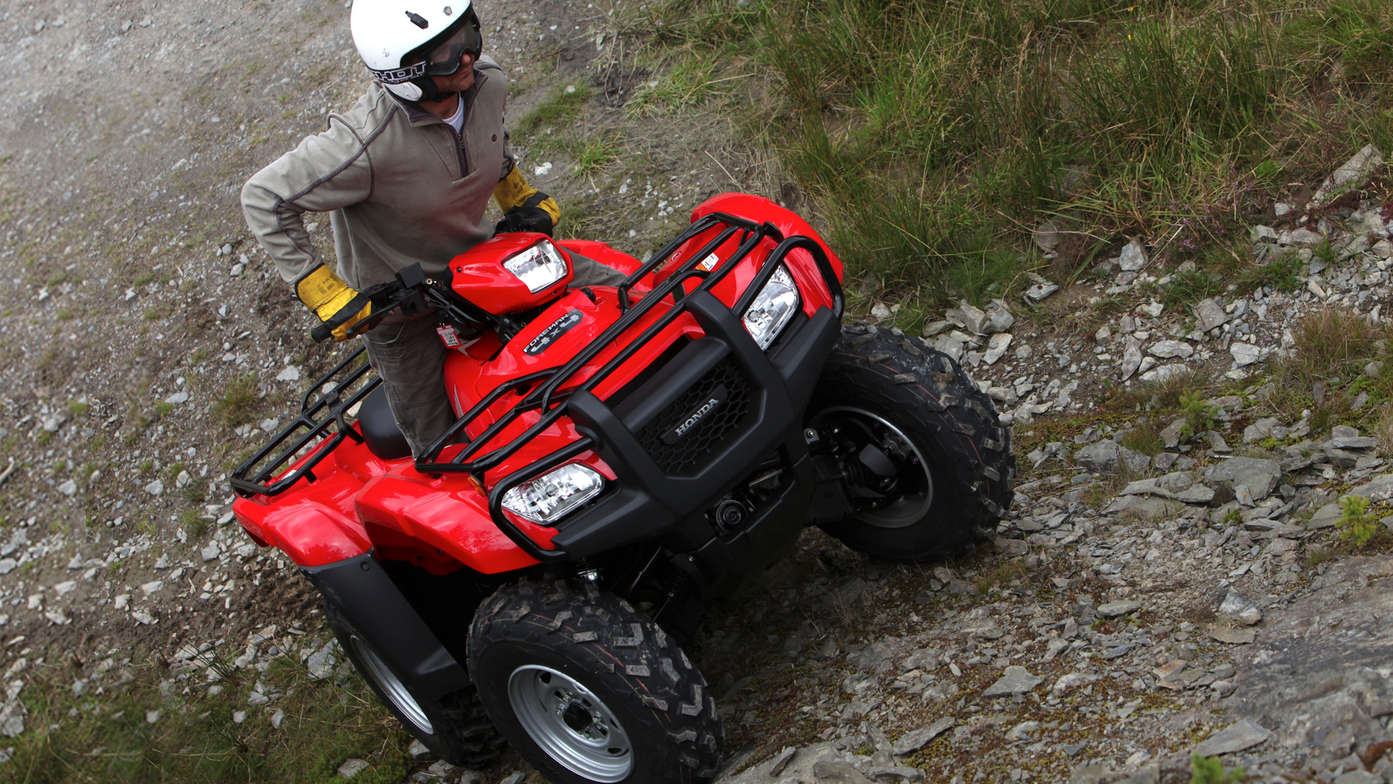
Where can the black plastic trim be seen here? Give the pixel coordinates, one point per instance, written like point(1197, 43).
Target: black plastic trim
point(363, 591)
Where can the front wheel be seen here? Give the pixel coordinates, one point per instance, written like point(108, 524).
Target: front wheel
point(926, 464)
point(588, 690)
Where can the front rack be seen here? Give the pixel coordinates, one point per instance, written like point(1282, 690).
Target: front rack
point(544, 385)
point(327, 403)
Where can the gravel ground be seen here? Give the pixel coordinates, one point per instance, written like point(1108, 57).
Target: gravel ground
point(1110, 630)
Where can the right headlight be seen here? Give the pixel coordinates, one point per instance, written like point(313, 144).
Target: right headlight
point(773, 307)
point(555, 494)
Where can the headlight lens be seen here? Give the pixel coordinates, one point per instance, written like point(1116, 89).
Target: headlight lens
point(539, 266)
point(773, 307)
point(555, 494)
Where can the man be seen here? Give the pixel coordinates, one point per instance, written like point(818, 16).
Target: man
point(406, 175)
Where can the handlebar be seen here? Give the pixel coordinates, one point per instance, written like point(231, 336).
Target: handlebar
point(412, 292)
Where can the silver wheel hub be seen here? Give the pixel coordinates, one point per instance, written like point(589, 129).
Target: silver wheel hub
point(568, 722)
point(395, 691)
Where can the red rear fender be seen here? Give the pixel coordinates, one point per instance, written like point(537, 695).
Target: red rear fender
point(311, 533)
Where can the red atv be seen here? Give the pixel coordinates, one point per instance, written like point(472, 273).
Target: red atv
point(622, 455)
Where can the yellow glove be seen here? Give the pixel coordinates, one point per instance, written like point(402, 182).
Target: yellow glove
point(336, 304)
point(524, 207)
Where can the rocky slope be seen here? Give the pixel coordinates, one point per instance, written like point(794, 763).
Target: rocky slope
point(1137, 606)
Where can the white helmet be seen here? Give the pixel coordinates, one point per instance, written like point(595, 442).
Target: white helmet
point(405, 42)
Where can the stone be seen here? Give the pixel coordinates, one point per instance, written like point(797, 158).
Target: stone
point(1238, 736)
point(1171, 349)
point(914, 740)
point(288, 373)
point(1014, 680)
point(1258, 476)
point(418, 751)
point(996, 347)
point(999, 318)
point(1238, 609)
point(784, 757)
point(352, 767)
point(1210, 315)
point(1380, 488)
point(321, 662)
point(1119, 608)
point(838, 772)
point(1262, 429)
point(1100, 457)
point(1245, 354)
point(68, 488)
point(1133, 257)
point(1040, 292)
point(969, 316)
point(1351, 174)
point(1131, 358)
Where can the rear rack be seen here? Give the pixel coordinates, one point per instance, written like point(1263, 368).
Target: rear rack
point(327, 403)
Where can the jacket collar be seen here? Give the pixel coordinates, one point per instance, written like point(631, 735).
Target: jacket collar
point(418, 116)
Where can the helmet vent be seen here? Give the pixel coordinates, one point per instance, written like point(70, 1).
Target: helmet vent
point(417, 19)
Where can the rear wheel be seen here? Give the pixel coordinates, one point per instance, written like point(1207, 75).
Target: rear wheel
point(588, 690)
point(455, 728)
point(926, 464)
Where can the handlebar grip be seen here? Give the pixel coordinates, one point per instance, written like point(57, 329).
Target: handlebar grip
point(321, 333)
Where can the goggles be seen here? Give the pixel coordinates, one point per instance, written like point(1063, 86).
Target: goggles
point(442, 60)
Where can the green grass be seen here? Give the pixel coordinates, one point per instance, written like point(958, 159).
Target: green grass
point(1337, 356)
point(106, 737)
point(557, 111)
point(932, 137)
point(238, 404)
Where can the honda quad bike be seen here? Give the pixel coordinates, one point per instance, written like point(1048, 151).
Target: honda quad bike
point(622, 455)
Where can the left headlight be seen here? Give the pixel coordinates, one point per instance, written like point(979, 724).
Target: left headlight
point(773, 307)
point(539, 266)
point(555, 494)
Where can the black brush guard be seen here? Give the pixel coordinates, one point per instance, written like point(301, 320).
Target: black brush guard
point(641, 480)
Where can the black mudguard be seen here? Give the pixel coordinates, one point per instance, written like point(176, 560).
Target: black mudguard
point(376, 607)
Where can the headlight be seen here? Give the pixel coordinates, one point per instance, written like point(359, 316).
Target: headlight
point(555, 494)
point(772, 308)
point(539, 266)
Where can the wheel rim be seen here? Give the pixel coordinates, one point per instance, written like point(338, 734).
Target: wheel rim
point(569, 723)
point(391, 686)
point(912, 492)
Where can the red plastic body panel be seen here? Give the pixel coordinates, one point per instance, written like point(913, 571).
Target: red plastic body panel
point(800, 264)
point(478, 275)
point(359, 502)
point(313, 522)
point(450, 515)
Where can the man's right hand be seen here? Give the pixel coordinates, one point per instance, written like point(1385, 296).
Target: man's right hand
point(336, 303)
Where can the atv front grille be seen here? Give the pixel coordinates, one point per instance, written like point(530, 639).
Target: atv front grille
point(682, 438)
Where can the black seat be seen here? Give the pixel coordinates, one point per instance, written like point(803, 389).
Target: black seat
point(380, 429)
